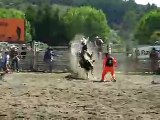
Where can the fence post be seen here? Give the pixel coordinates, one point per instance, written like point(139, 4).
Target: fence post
point(34, 54)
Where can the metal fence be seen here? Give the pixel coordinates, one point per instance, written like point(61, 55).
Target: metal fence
point(34, 60)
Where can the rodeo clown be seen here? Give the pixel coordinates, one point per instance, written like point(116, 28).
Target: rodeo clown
point(109, 64)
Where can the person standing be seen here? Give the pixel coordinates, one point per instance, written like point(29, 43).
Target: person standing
point(109, 64)
point(5, 62)
point(154, 60)
point(48, 59)
point(99, 45)
point(14, 59)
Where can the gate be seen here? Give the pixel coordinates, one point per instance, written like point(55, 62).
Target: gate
point(34, 61)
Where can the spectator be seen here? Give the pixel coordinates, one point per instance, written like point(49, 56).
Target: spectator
point(99, 45)
point(5, 62)
point(154, 60)
point(14, 59)
point(48, 59)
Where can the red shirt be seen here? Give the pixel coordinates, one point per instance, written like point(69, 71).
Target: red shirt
point(105, 60)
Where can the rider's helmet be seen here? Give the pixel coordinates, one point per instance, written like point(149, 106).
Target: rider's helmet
point(97, 37)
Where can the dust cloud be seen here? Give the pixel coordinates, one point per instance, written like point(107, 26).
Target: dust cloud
point(74, 60)
point(124, 62)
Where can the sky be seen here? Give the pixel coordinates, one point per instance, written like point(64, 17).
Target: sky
point(144, 2)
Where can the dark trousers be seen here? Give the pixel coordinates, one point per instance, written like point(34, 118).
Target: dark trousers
point(48, 65)
point(14, 64)
point(3, 66)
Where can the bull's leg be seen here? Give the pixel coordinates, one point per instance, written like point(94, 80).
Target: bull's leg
point(92, 71)
point(92, 74)
point(87, 75)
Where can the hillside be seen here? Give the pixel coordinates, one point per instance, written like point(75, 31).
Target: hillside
point(122, 15)
point(115, 10)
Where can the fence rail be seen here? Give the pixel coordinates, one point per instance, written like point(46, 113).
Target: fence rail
point(35, 61)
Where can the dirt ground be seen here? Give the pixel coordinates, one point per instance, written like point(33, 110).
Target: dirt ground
point(42, 96)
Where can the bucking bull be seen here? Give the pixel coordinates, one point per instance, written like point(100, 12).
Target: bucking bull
point(86, 62)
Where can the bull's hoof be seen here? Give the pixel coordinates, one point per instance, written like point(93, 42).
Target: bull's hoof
point(87, 77)
point(153, 82)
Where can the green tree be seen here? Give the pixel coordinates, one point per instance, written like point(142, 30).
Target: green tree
point(87, 21)
point(114, 9)
point(13, 13)
point(30, 14)
point(47, 25)
point(147, 27)
point(156, 36)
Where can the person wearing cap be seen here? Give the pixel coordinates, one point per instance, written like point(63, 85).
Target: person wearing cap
point(154, 60)
point(98, 44)
point(109, 64)
point(48, 59)
point(14, 59)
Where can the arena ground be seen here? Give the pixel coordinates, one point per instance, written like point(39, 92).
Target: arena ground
point(42, 96)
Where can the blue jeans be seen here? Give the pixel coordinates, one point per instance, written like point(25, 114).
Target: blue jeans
point(2, 65)
point(15, 64)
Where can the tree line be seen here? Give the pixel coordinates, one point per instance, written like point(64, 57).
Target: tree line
point(57, 25)
point(51, 26)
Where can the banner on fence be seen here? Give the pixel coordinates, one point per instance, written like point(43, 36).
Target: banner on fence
point(144, 52)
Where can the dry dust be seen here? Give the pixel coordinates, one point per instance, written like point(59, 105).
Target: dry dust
point(74, 60)
point(41, 96)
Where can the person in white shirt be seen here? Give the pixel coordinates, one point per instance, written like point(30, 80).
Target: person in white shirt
point(99, 45)
point(6, 61)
